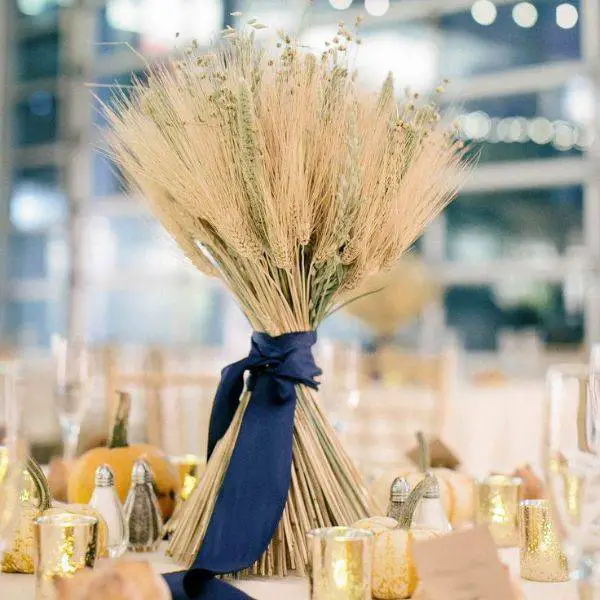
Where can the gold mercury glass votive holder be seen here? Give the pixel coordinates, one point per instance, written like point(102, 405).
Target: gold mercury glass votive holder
point(190, 468)
point(340, 560)
point(497, 499)
point(542, 558)
point(64, 544)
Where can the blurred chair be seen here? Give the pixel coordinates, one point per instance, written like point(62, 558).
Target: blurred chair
point(412, 393)
point(166, 383)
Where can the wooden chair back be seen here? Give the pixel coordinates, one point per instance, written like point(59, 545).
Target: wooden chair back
point(164, 383)
point(400, 393)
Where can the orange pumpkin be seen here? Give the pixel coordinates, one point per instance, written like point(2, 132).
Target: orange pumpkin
point(120, 456)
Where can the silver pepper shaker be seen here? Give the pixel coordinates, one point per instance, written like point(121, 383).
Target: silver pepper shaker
point(399, 492)
point(142, 513)
point(430, 513)
point(106, 501)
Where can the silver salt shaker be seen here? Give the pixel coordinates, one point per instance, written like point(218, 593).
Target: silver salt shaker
point(106, 501)
point(142, 513)
point(399, 492)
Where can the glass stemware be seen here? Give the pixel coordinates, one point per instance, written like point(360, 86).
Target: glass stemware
point(71, 391)
point(12, 455)
point(572, 466)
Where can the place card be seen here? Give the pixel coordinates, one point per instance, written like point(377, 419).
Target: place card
point(462, 566)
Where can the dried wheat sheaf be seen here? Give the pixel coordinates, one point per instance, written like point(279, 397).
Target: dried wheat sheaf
point(274, 172)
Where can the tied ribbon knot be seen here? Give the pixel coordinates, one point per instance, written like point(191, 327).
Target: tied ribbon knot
point(254, 491)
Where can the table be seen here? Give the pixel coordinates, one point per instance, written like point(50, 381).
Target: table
point(21, 587)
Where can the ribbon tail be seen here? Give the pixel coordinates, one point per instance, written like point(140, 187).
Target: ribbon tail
point(254, 490)
point(226, 402)
point(255, 486)
point(213, 589)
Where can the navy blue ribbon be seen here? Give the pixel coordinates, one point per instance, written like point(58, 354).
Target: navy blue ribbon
point(255, 488)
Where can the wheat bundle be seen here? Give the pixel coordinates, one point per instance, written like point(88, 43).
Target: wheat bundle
point(275, 173)
point(389, 299)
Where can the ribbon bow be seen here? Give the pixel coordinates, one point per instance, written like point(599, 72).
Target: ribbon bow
point(256, 484)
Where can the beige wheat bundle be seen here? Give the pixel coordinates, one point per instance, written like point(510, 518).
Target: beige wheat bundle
point(387, 300)
point(276, 174)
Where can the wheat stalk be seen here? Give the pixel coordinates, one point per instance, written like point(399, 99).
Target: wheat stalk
point(282, 178)
point(390, 298)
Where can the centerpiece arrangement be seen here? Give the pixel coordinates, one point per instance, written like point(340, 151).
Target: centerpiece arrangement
point(273, 171)
point(390, 299)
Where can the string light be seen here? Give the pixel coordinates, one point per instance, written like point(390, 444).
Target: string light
point(477, 125)
point(540, 130)
point(525, 14)
point(484, 12)
point(341, 4)
point(377, 8)
point(563, 135)
point(584, 138)
point(566, 16)
point(517, 130)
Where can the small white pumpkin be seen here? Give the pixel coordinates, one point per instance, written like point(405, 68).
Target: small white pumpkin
point(456, 489)
point(394, 574)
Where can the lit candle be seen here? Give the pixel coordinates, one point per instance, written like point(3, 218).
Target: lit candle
point(340, 561)
point(541, 555)
point(497, 506)
point(190, 469)
point(65, 543)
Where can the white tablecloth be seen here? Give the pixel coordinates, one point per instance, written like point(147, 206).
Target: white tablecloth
point(497, 428)
point(21, 587)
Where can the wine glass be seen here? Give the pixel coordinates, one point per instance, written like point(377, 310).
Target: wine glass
point(572, 467)
point(71, 391)
point(12, 455)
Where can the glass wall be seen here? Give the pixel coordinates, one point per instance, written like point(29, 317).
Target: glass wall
point(513, 251)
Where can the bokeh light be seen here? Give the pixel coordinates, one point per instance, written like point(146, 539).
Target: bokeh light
point(377, 8)
point(341, 4)
point(525, 14)
point(566, 16)
point(484, 12)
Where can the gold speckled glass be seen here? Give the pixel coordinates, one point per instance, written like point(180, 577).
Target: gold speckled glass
point(190, 469)
point(64, 544)
point(571, 458)
point(497, 499)
point(542, 558)
point(340, 561)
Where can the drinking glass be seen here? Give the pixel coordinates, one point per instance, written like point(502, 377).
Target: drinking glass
point(572, 467)
point(72, 390)
point(12, 455)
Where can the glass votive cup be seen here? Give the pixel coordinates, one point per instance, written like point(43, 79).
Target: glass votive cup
point(497, 499)
point(541, 555)
point(340, 563)
point(190, 468)
point(64, 544)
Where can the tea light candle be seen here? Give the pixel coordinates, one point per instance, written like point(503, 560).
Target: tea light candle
point(340, 560)
point(190, 469)
point(65, 543)
point(497, 500)
point(542, 558)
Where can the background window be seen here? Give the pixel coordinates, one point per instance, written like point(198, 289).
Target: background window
point(546, 124)
point(29, 323)
point(27, 254)
point(38, 57)
point(36, 119)
point(523, 225)
point(480, 313)
point(488, 40)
